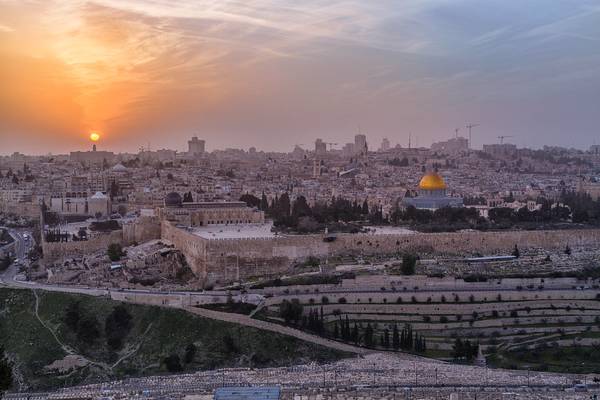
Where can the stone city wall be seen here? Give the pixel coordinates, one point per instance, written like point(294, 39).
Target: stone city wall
point(54, 251)
point(192, 246)
point(29, 210)
point(232, 259)
point(143, 229)
point(226, 260)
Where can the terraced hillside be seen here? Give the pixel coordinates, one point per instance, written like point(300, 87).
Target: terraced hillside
point(54, 339)
point(526, 326)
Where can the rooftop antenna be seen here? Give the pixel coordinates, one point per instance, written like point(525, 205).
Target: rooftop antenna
point(469, 127)
point(502, 137)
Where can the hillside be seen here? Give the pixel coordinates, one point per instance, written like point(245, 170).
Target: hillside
point(80, 339)
point(527, 327)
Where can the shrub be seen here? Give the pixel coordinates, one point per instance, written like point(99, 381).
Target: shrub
point(172, 363)
point(117, 326)
point(290, 311)
point(409, 262)
point(342, 300)
point(190, 353)
point(114, 252)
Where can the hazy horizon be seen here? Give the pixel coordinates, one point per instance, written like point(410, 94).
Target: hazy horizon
point(272, 74)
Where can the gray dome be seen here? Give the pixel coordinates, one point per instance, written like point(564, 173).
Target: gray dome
point(173, 199)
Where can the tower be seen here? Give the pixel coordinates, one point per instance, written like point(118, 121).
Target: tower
point(195, 146)
point(360, 144)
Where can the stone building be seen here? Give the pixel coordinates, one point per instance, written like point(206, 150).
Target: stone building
point(206, 213)
point(99, 204)
point(432, 194)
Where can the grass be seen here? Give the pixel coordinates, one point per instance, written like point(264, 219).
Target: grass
point(219, 344)
point(573, 359)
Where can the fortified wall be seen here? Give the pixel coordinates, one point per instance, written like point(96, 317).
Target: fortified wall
point(226, 260)
point(142, 230)
point(30, 210)
point(54, 251)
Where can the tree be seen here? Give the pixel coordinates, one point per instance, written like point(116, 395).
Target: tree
point(6, 377)
point(264, 203)
point(117, 326)
point(251, 200)
point(190, 353)
point(115, 252)
point(88, 329)
point(368, 336)
point(409, 262)
point(72, 315)
point(284, 205)
point(354, 334)
point(568, 250)
point(114, 189)
point(365, 208)
point(172, 363)
point(300, 208)
point(516, 252)
point(122, 210)
point(290, 311)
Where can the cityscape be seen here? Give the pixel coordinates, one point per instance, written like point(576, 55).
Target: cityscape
point(154, 250)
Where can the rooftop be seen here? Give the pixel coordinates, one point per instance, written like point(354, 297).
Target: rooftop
point(235, 231)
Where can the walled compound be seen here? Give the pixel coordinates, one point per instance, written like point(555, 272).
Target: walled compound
point(245, 248)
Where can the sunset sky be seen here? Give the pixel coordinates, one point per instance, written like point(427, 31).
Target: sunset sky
point(272, 73)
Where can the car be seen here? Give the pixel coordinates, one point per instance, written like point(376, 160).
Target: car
point(580, 387)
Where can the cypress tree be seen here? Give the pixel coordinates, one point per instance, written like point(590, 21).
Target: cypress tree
point(395, 338)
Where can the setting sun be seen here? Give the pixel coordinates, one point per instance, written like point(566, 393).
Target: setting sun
point(94, 136)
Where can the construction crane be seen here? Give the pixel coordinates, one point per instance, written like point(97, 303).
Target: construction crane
point(331, 145)
point(502, 137)
point(469, 127)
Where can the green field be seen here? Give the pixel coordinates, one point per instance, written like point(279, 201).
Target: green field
point(153, 337)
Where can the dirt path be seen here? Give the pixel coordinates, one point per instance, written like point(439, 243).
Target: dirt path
point(64, 347)
point(269, 326)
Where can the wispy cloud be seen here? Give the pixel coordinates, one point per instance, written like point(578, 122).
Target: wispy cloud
point(6, 28)
point(256, 68)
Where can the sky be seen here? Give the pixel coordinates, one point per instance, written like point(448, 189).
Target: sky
point(275, 73)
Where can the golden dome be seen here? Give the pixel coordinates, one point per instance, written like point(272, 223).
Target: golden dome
point(432, 181)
